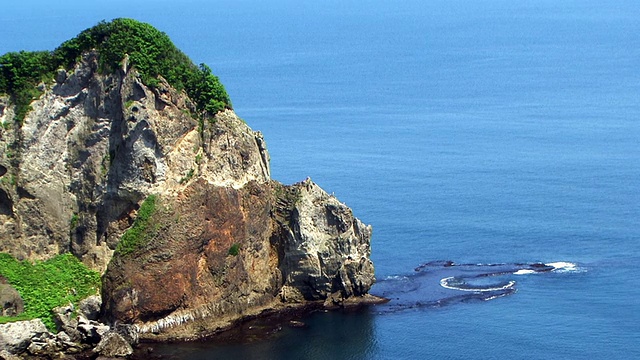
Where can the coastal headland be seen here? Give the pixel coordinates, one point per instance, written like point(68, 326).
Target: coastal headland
point(120, 151)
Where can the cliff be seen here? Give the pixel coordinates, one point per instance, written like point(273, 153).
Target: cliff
point(173, 205)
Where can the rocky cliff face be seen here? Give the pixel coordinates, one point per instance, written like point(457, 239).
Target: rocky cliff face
point(222, 238)
point(95, 146)
point(325, 249)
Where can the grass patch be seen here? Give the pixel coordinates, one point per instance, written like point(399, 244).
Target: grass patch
point(44, 285)
point(8, 319)
point(234, 250)
point(139, 233)
point(75, 219)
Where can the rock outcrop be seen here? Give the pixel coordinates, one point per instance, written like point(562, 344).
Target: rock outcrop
point(222, 240)
point(31, 339)
point(113, 345)
point(325, 249)
point(16, 337)
point(287, 250)
point(10, 300)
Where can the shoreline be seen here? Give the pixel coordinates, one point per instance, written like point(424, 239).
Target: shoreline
point(257, 326)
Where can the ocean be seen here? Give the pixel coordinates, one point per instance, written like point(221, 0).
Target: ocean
point(495, 134)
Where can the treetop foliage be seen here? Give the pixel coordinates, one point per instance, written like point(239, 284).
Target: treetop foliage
point(149, 50)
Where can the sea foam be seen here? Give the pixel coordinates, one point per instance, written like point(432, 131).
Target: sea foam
point(524, 272)
point(563, 266)
point(445, 284)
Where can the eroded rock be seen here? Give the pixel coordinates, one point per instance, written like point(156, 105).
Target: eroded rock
point(90, 307)
point(220, 253)
point(113, 345)
point(325, 248)
point(15, 337)
point(91, 331)
point(5, 355)
point(65, 320)
point(10, 300)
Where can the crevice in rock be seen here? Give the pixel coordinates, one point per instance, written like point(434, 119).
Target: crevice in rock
point(62, 113)
point(137, 92)
point(159, 103)
point(24, 194)
point(6, 205)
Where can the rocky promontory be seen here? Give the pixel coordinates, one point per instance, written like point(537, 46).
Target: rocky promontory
point(171, 200)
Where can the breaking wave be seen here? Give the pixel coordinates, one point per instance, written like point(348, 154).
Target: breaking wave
point(457, 284)
point(562, 266)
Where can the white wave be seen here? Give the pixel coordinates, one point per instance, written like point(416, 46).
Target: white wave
point(396, 277)
point(563, 266)
point(524, 272)
point(445, 284)
point(496, 296)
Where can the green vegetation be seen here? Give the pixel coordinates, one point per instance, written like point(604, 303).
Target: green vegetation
point(74, 221)
point(106, 162)
point(234, 249)
point(8, 319)
point(20, 74)
point(148, 50)
point(187, 177)
point(140, 232)
point(44, 285)
point(9, 179)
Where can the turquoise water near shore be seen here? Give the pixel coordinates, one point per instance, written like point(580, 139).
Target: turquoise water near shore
point(474, 131)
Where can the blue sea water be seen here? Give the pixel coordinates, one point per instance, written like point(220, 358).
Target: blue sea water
point(487, 131)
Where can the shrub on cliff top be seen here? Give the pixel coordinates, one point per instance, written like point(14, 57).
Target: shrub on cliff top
point(44, 285)
point(20, 73)
point(149, 50)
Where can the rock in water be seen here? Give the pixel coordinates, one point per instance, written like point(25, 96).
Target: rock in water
point(325, 248)
point(307, 243)
point(113, 345)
